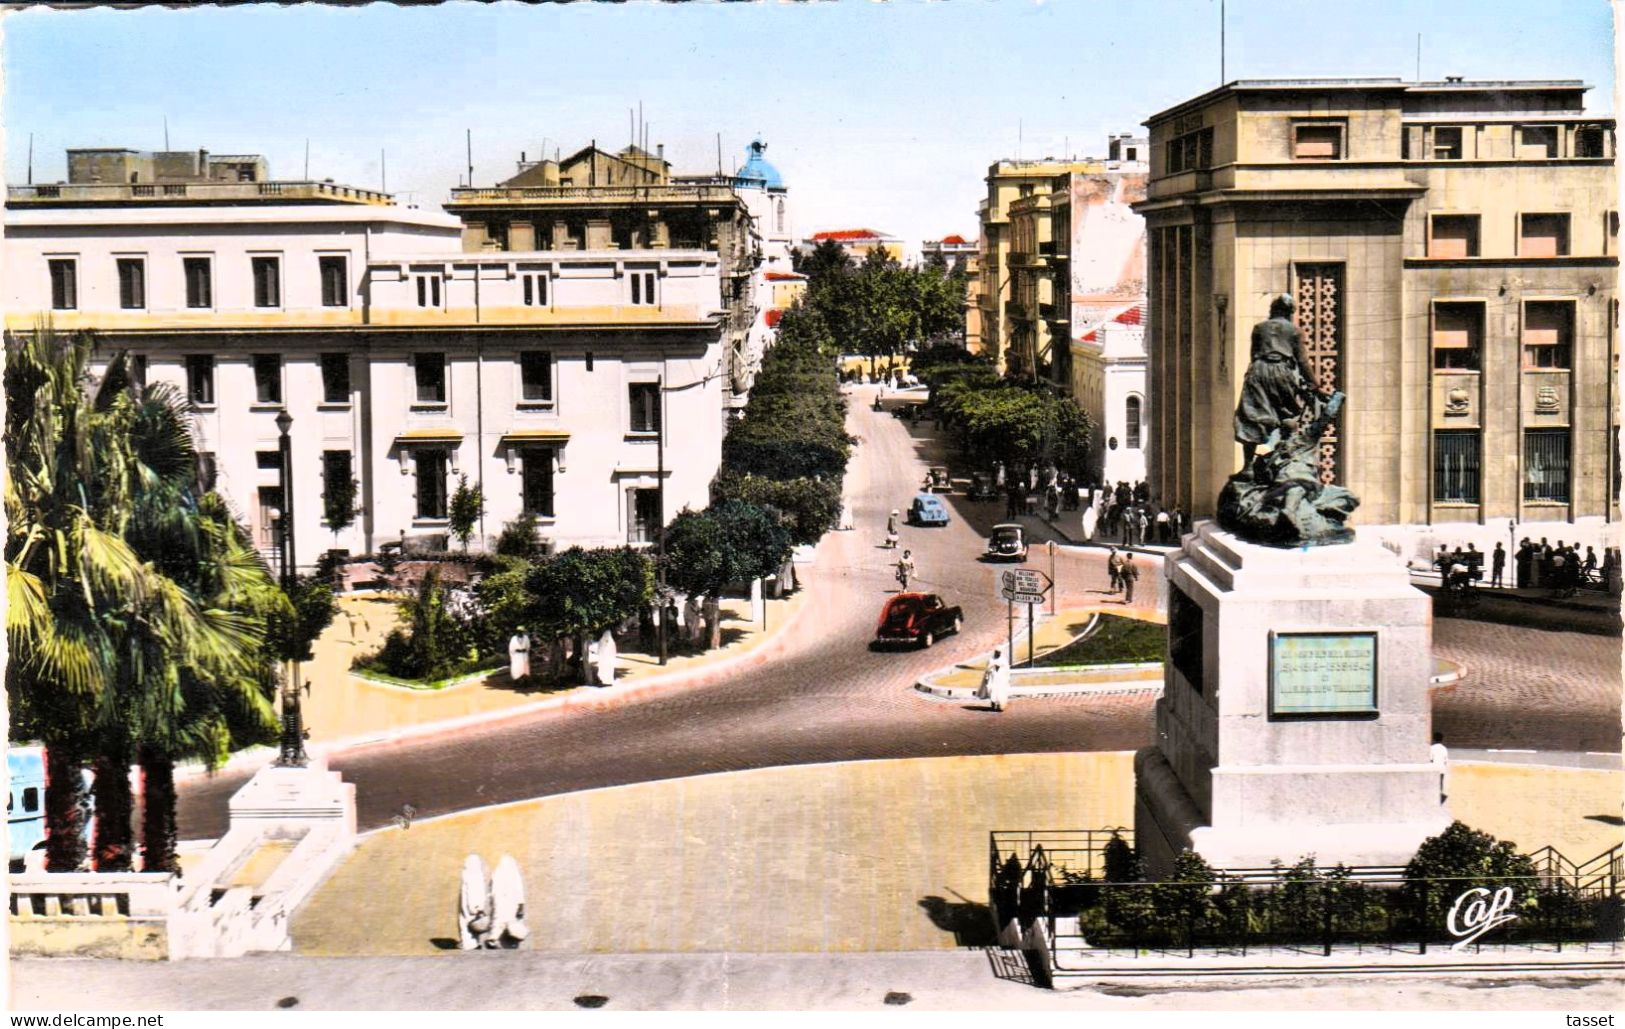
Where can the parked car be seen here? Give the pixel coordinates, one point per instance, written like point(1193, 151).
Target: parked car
point(938, 480)
point(981, 487)
point(927, 509)
point(1007, 543)
point(916, 618)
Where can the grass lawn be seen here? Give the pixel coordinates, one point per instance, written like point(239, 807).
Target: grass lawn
point(1115, 640)
point(420, 684)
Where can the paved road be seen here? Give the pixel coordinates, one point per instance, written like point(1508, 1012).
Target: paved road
point(827, 697)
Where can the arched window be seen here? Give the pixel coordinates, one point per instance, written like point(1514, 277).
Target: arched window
point(780, 212)
point(1131, 419)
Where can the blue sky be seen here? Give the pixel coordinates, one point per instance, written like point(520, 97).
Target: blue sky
point(880, 115)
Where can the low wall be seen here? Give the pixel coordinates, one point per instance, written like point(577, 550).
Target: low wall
point(85, 914)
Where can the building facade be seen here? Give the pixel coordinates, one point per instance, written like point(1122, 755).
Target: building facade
point(955, 252)
point(567, 383)
point(1453, 250)
point(858, 243)
point(1108, 384)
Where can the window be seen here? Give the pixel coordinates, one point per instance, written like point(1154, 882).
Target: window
point(1131, 423)
point(534, 286)
point(335, 378)
point(497, 233)
point(1133, 154)
point(268, 378)
point(208, 473)
point(1543, 235)
point(1458, 334)
point(1447, 143)
point(64, 284)
point(267, 281)
point(779, 214)
point(1546, 465)
point(1537, 142)
point(536, 377)
point(200, 378)
point(643, 515)
point(588, 359)
point(536, 484)
point(430, 370)
point(337, 469)
point(1611, 244)
point(1453, 235)
point(1548, 333)
point(132, 283)
point(268, 460)
point(335, 280)
point(429, 289)
point(1455, 467)
point(1589, 141)
point(1192, 151)
point(31, 798)
point(645, 402)
point(1322, 142)
point(643, 287)
point(199, 281)
point(431, 489)
point(268, 530)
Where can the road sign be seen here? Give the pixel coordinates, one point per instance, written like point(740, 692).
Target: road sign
point(1022, 597)
point(1024, 580)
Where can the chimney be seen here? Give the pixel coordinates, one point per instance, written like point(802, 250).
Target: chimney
point(660, 151)
point(1452, 78)
point(521, 157)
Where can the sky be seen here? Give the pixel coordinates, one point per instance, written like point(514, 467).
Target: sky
point(879, 115)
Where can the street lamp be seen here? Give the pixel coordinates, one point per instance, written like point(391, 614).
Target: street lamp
point(292, 753)
point(660, 493)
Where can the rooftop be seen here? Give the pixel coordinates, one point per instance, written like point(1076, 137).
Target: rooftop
point(192, 193)
point(1451, 84)
point(849, 235)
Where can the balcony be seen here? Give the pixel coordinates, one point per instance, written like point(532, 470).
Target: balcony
point(72, 193)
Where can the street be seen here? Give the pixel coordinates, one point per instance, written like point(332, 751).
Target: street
point(825, 696)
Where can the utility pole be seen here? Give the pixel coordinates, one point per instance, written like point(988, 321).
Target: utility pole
point(470, 143)
point(30, 158)
point(1221, 42)
point(660, 491)
point(307, 158)
point(383, 173)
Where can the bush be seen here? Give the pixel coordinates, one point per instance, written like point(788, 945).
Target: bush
point(435, 644)
point(1455, 860)
point(518, 539)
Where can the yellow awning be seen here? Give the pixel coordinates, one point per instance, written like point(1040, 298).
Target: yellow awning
point(536, 436)
point(430, 436)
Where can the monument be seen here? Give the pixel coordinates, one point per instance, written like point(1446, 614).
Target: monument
point(1295, 715)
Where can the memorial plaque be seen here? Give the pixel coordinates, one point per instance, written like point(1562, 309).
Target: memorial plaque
point(1323, 675)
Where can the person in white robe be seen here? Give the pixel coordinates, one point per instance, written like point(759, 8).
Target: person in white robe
point(605, 658)
point(508, 928)
point(519, 655)
point(995, 688)
point(473, 905)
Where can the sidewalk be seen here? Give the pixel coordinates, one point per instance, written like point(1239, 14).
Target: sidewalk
point(939, 981)
point(860, 856)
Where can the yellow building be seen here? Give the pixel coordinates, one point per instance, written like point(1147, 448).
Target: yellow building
point(1453, 250)
point(1008, 182)
point(857, 243)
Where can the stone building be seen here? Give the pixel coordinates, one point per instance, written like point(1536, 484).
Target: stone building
point(1453, 250)
point(857, 243)
point(409, 347)
point(1108, 383)
point(955, 251)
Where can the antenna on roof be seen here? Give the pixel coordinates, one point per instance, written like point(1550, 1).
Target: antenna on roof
point(719, 155)
point(383, 173)
point(470, 142)
point(640, 118)
point(30, 158)
point(307, 158)
point(166, 132)
point(631, 129)
point(1221, 42)
point(1018, 138)
point(1418, 57)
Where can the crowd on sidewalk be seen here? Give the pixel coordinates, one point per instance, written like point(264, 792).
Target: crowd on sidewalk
point(1562, 568)
point(1125, 513)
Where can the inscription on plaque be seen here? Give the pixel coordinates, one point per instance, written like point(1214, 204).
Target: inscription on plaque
point(1323, 674)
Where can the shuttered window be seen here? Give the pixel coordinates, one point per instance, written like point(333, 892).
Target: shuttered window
point(1548, 333)
point(1454, 235)
point(267, 281)
point(1317, 142)
point(1458, 332)
point(64, 285)
point(132, 283)
point(1543, 235)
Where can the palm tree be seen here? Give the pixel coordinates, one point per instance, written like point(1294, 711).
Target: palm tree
point(66, 563)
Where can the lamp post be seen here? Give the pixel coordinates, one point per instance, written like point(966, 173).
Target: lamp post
point(292, 754)
point(660, 493)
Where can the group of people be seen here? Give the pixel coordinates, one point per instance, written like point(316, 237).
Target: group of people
point(1563, 569)
point(1130, 515)
point(1049, 488)
point(1124, 574)
point(491, 912)
point(904, 568)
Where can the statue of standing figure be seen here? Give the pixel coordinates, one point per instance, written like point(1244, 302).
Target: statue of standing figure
point(1277, 498)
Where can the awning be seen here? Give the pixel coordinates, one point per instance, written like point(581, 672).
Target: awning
point(411, 436)
point(536, 436)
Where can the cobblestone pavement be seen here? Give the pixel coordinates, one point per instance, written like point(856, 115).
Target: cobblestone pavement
point(827, 697)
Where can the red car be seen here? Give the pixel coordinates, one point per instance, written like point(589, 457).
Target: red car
point(916, 618)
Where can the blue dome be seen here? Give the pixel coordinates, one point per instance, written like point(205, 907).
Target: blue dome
point(757, 169)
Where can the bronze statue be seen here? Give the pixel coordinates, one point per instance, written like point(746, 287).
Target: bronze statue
point(1277, 498)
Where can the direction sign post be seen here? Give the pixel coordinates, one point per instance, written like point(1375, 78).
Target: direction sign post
point(1027, 587)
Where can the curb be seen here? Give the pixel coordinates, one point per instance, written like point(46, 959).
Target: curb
point(580, 696)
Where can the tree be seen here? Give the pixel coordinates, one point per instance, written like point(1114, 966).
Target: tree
point(467, 505)
point(580, 593)
point(826, 261)
point(433, 644)
point(339, 502)
point(729, 543)
point(807, 507)
point(1456, 859)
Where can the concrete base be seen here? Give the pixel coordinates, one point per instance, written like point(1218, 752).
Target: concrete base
point(1244, 785)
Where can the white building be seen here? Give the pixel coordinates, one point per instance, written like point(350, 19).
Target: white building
point(542, 376)
point(1108, 379)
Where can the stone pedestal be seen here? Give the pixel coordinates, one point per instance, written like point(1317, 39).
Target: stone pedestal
point(1295, 714)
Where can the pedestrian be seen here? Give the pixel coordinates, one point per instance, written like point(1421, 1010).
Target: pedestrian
point(1114, 567)
point(905, 569)
point(508, 928)
point(1525, 558)
point(473, 905)
point(891, 530)
point(1590, 565)
point(1179, 523)
point(1554, 577)
point(519, 655)
point(1091, 519)
point(1498, 563)
point(1475, 562)
point(1145, 526)
point(995, 687)
point(1162, 525)
point(1439, 755)
point(1130, 574)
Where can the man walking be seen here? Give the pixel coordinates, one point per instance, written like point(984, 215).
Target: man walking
point(1498, 563)
point(1114, 566)
point(1129, 574)
point(1439, 756)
